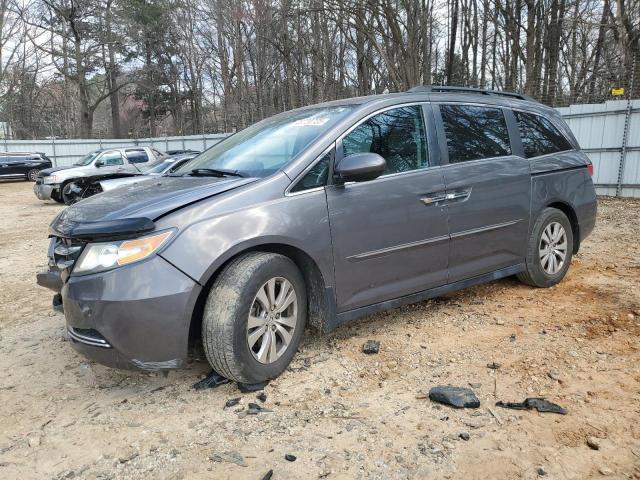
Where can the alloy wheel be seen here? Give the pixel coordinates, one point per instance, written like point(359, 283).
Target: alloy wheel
point(272, 320)
point(553, 248)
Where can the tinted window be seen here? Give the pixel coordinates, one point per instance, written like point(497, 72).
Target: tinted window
point(396, 135)
point(137, 156)
point(112, 158)
point(539, 135)
point(474, 132)
point(316, 177)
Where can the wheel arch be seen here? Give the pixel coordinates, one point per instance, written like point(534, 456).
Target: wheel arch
point(321, 305)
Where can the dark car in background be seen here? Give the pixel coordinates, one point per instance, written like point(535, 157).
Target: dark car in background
point(25, 165)
point(318, 216)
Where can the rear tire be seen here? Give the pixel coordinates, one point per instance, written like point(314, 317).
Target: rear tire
point(236, 298)
point(32, 175)
point(549, 250)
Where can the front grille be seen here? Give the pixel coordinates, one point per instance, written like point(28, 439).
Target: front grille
point(88, 336)
point(63, 254)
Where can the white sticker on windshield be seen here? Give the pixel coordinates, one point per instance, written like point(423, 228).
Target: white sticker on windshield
point(311, 122)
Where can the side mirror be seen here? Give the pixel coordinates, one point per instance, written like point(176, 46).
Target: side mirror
point(98, 164)
point(360, 167)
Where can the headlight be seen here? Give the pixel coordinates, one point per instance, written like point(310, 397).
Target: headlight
point(51, 179)
point(98, 257)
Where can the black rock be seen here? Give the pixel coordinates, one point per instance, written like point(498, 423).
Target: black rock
point(232, 402)
point(458, 397)
point(252, 387)
point(465, 436)
point(262, 397)
point(541, 471)
point(372, 346)
point(213, 380)
point(268, 475)
point(290, 458)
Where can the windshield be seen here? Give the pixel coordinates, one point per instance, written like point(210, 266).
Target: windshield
point(267, 146)
point(87, 159)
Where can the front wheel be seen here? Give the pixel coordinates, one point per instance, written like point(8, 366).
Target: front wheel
point(254, 317)
point(549, 250)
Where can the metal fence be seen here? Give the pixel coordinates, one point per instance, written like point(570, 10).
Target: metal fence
point(66, 152)
point(609, 133)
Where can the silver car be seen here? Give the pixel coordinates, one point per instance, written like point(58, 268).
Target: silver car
point(155, 169)
point(51, 182)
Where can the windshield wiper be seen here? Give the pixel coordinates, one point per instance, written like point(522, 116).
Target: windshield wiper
point(214, 172)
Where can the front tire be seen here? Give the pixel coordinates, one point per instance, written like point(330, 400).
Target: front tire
point(549, 250)
point(254, 317)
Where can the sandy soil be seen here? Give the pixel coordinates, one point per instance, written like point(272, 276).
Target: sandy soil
point(343, 414)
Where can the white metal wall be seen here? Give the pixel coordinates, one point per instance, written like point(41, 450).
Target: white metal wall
point(599, 129)
point(66, 152)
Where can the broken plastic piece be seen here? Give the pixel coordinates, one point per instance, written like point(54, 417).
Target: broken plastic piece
point(254, 409)
point(268, 475)
point(458, 397)
point(232, 402)
point(372, 346)
point(290, 458)
point(262, 397)
point(213, 380)
point(539, 404)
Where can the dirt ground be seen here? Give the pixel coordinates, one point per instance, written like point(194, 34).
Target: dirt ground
point(342, 413)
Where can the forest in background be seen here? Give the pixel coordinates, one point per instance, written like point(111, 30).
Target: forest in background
point(138, 68)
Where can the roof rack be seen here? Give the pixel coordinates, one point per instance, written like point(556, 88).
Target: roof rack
point(479, 91)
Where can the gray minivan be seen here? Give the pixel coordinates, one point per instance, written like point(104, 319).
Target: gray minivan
point(318, 216)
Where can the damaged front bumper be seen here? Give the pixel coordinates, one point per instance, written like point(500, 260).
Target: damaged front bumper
point(46, 192)
point(135, 317)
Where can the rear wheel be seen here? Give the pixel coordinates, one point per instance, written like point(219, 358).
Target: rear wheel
point(549, 251)
point(254, 317)
point(32, 175)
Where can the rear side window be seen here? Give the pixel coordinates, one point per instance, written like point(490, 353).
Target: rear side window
point(316, 176)
point(397, 135)
point(539, 135)
point(474, 132)
point(137, 156)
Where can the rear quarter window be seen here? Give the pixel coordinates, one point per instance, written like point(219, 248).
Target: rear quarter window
point(539, 135)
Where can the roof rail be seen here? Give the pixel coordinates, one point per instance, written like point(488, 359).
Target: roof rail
point(480, 91)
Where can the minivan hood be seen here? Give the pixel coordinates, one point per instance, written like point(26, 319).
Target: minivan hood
point(149, 199)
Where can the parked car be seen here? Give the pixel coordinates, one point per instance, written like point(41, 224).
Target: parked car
point(84, 187)
point(319, 216)
point(23, 165)
point(182, 152)
point(155, 169)
point(55, 183)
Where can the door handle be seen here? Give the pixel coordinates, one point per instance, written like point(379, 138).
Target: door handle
point(464, 194)
point(433, 200)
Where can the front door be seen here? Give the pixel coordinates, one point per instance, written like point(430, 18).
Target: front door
point(488, 190)
point(389, 238)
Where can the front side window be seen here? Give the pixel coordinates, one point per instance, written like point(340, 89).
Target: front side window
point(111, 158)
point(539, 135)
point(269, 145)
point(396, 135)
point(87, 159)
point(474, 132)
point(316, 177)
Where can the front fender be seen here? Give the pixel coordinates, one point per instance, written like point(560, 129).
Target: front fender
point(299, 221)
